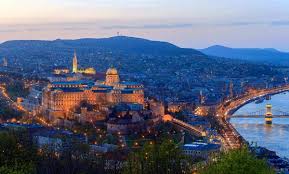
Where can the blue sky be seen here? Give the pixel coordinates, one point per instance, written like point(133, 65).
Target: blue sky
point(187, 23)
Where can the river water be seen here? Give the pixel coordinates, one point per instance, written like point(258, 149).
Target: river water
point(274, 137)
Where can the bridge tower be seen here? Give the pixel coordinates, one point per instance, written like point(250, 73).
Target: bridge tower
point(268, 115)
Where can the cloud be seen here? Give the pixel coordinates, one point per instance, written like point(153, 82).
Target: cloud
point(280, 23)
point(76, 28)
point(107, 25)
point(47, 27)
point(149, 26)
point(8, 30)
point(244, 23)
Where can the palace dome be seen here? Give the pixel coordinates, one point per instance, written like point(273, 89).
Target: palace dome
point(111, 71)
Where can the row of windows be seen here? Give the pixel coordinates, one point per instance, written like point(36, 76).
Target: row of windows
point(191, 152)
point(71, 102)
point(67, 86)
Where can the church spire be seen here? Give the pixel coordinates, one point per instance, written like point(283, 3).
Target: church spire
point(75, 53)
point(5, 63)
point(74, 63)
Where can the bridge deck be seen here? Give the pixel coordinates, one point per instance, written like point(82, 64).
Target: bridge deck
point(259, 116)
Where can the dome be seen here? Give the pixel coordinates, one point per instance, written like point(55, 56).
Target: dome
point(111, 71)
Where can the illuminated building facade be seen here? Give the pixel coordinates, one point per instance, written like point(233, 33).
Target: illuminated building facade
point(87, 71)
point(198, 150)
point(74, 63)
point(61, 99)
point(75, 68)
point(60, 70)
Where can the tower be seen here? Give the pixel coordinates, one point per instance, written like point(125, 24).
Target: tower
point(268, 115)
point(5, 63)
point(112, 77)
point(74, 63)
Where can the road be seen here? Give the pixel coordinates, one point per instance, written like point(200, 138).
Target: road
point(194, 130)
point(231, 138)
point(10, 103)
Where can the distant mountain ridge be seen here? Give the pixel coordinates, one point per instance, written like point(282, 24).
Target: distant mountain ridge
point(258, 55)
point(122, 44)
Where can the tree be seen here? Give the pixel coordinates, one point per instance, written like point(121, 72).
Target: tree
point(15, 157)
point(238, 162)
point(165, 157)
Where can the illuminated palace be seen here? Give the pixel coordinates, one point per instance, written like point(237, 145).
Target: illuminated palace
point(61, 99)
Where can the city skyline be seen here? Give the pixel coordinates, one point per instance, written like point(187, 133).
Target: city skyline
point(190, 24)
point(144, 86)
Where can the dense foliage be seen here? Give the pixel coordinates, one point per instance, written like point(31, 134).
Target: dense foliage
point(16, 158)
point(158, 158)
point(238, 162)
point(18, 155)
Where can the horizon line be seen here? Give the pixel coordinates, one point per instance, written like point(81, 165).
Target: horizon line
point(222, 45)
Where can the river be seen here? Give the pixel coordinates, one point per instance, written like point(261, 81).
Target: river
point(274, 137)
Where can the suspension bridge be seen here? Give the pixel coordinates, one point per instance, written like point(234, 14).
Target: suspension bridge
point(276, 113)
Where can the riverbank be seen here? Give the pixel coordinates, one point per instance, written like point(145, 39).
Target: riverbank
point(281, 165)
point(273, 137)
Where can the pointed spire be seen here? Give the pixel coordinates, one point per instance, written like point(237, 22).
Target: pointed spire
point(5, 63)
point(75, 53)
point(74, 63)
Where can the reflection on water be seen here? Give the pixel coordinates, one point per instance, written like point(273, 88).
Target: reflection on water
point(274, 137)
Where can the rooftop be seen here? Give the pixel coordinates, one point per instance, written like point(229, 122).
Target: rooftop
point(129, 83)
point(52, 133)
point(78, 82)
point(199, 146)
point(20, 125)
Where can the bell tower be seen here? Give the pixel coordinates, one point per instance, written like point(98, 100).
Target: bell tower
point(74, 63)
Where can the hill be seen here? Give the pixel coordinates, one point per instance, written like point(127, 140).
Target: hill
point(118, 44)
point(258, 55)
